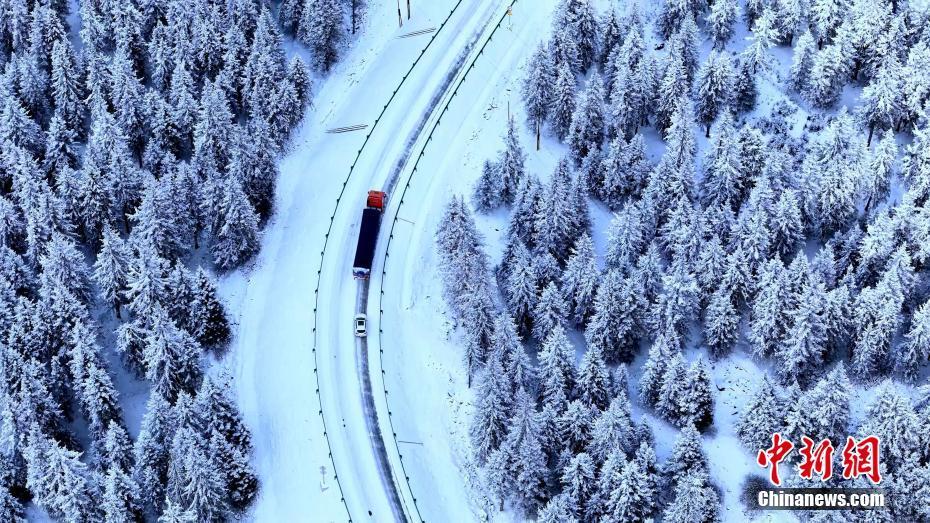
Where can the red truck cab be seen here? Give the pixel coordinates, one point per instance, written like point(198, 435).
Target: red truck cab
point(376, 200)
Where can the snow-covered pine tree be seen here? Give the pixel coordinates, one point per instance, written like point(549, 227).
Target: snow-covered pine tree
point(892, 419)
point(537, 89)
point(671, 395)
point(916, 84)
point(527, 459)
point(587, 127)
point(914, 353)
point(579, 484)
point(687, 457)
point(616, 324)
point(764, 36)
point(207, 321)
point(594, 379)
point(321, 28)
point(828, 73)
point(695, 500)
point(493, 409)
point(237, 236)
point(714, 86)
point(768, 316)
point(487, 194)
point(725, 178)
point(761, 416)
point(172, 356)
point(549, 311)
point(510, 165)
point(650, 382)
point(678, 301)
point(66, 88)
point(722, 18)
point(721, 323)
point(882, 99)
point(698, 399)
point(823, 410)
point(613, 430)
point(522, 291)
point(881, 169)
point(580, 281)
point(58, 480)
point(562, 102)
point(745, 91)
point(557, 372)
point(802, 348)
point(579, 18)
point(802, 62)
point(877, 319)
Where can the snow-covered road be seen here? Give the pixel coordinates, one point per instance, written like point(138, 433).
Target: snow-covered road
point(287, 385)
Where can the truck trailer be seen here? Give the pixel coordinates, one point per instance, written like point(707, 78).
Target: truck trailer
point(368, 234)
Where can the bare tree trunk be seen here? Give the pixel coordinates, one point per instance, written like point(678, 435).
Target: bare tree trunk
point(868, 143)
point(537, 134)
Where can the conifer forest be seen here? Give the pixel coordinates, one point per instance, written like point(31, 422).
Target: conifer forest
point(620, 250)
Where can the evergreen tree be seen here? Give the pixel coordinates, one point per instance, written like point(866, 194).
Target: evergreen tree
point(615, 325)
point(207, 320)
point(562, 102)
point(510, 165)
point(714, 88)
point(594, 379)
point(745, 92)
point(321, 28)
point(768, 316)
point(151, 451)
point(537, 89)
point(915, 351)
point(881, 169)
point(489, 427)
point(650, 382)
point(803, 347)
point(557, 368)
point(722, 18)
point(698, 399)
point(578, 479)
point(527, 460)
point(578, 17)
point(882, 99)
point(762, 416)
point(58, 479)
point(487, 195)
point(827, 75)
point(237, 237)
point(580, 281)
point(687, 457)
point(171, 356)
point(802, 63)
point(695, 501)
point(587, 127)
point(549, 312)
point(721, 323)
point(725, 179)
point(892, 419)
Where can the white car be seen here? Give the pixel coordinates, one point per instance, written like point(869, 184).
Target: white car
point(361, 325)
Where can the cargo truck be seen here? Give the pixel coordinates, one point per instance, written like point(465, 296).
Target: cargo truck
point(368, 234)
